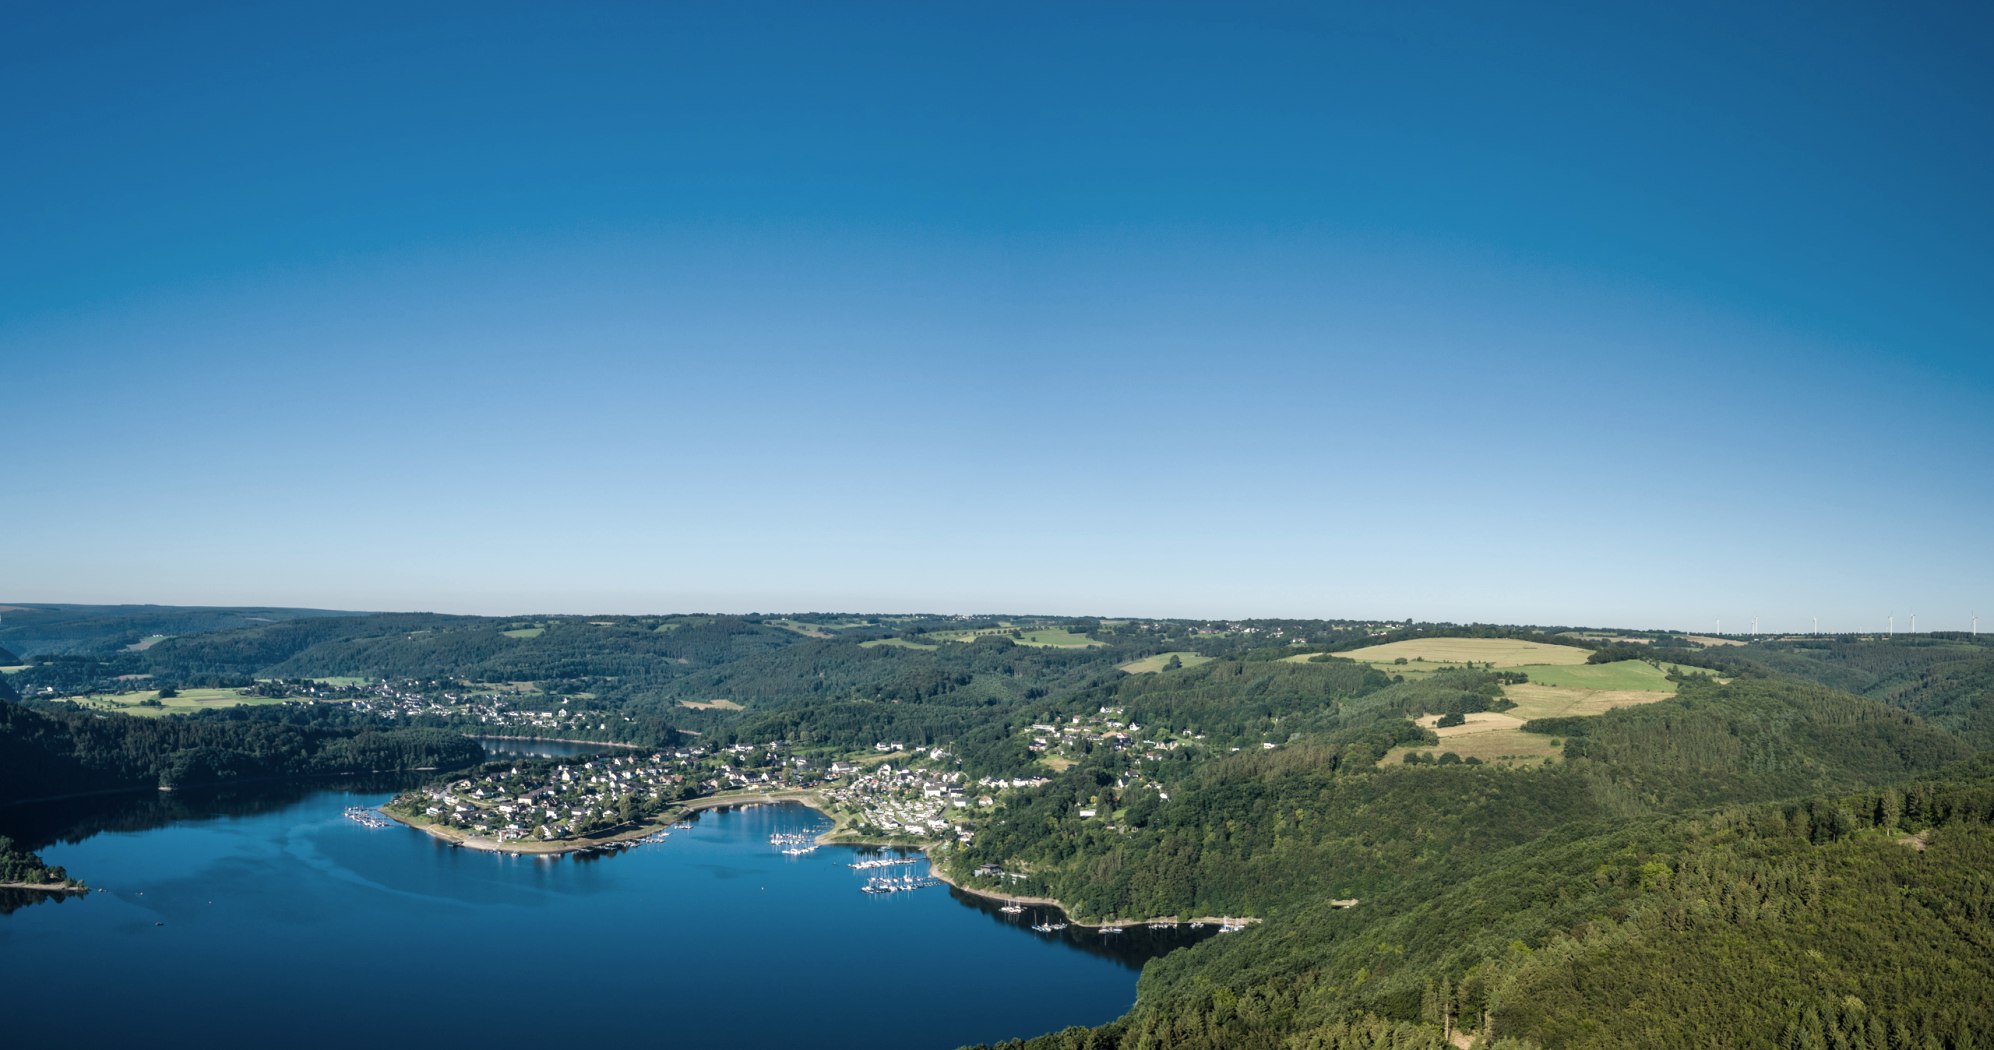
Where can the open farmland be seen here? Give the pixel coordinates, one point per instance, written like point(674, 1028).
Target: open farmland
point(134, 703)
point(1553, 690)
point(1048, 637)
point(1501, 652)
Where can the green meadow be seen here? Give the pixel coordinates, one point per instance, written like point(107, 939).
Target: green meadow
point(1153, 664)
point(133, 703)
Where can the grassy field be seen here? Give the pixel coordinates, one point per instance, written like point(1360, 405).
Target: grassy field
point(710, 705)
point(525, 632)
point(188, 700)
point(897, 643)
point(342, 680)
point(1048, 637)
point(1056, 763)
point(145, 643)
point(1502, 652)
point(13, 669)
point(1488, 736)
point(1553, 690)
point(1153, 664)
point(1623, 674)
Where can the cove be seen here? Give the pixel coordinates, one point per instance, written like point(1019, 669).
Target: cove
point(271, 919)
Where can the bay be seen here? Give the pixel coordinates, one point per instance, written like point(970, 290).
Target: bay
point(248, 920)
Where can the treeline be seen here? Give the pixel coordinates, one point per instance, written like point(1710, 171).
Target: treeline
point(53, 753)
point(1946, 679)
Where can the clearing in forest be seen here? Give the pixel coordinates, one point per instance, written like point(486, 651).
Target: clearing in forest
point(1047, 637)
point(1153, 664)
point(710, 705)
point(1486, 735)
point(135, 703)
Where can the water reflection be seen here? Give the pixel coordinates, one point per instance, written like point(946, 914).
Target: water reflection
point(43, 824)
point(522, 747)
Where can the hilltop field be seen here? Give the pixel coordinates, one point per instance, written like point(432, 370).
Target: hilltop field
point(146, 703)
point(1560, 683)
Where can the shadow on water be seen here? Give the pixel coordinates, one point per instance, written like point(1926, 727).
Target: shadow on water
point(1134, 946)
point(13, 900)
point(45, 824)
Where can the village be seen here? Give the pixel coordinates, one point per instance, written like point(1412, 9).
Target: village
point(893, 795)
point(494, 709)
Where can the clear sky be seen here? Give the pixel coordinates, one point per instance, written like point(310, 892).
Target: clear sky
point(1581, 313)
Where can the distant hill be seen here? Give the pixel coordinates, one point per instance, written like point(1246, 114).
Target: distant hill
point(30, 630)
point(1945, 677)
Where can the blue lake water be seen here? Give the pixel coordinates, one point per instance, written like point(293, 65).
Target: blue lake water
point(262, 921)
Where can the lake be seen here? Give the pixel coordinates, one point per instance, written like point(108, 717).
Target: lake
point(270, 919)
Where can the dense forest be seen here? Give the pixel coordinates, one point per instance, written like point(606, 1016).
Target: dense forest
point(47, 753)
point(1790, 846)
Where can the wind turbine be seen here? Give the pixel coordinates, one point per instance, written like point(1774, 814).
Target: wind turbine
point(1914, 623)
point(1817, 626)
point(1892, 620)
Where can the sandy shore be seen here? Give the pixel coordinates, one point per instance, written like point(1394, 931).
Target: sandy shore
point(45, 887)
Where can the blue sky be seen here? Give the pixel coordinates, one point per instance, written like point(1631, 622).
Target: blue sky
point(1605, 314)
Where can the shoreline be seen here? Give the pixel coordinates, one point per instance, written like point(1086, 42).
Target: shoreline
point(809, 800)
point(46, 887)
point(1051, 902)
point(557, 847)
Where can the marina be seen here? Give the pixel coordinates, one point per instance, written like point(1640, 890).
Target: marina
point(897, 884)
point(881, 862)
point(367, 818)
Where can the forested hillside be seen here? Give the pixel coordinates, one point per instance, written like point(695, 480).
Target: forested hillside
point(1783, 843)
point(39, 629)
point(48, 753)
point(1946, 678)
point(1837, 921)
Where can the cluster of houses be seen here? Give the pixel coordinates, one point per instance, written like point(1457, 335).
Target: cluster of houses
point(1107, 728)
point(461, 703)
point(561, 801)
point(919, 799)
